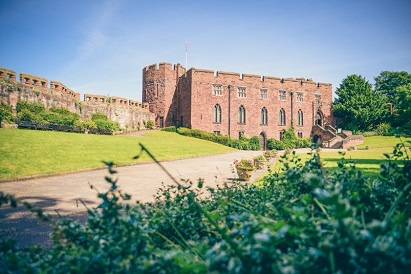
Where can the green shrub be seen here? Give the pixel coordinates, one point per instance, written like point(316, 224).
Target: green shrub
point(104, 125)
point(36, 108)
point(6, 114)
point(169, 129)
point(25, 115)
point(384, 129)
point(150, 124)
point(289, 141)
point(85, 125)
point(302, 220)
point(243, 143)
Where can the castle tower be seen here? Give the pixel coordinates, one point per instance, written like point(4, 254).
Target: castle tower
point(160, 91)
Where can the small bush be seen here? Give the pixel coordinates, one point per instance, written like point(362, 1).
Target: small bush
point(289, 141)
point(6, 114)
point(150, 124)
point(383, 129)
point(86, 125)
point(104, 125)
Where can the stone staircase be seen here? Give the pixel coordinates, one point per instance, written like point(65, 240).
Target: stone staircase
point(331, 138)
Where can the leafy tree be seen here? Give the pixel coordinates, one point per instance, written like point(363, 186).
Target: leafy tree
point(388, 81)
point(403, 107)
point(358, 107)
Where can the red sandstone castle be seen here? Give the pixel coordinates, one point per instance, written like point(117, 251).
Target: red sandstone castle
point(237, 104)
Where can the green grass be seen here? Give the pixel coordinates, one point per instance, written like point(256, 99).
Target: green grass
point(25, 153)
point(368, 157)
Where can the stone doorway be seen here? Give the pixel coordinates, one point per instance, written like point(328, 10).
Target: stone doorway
point(263, 140)
point(319, 119)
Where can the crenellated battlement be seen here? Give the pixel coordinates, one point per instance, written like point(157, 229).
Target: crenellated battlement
point(7, 74)
point(33, 81)
point(254, 77)
point(164, 66)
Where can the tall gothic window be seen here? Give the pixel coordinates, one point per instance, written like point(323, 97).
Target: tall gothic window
point(264, 116)
point(300, 118)
point(241, 115)
point(282, 117)
point(217, 114)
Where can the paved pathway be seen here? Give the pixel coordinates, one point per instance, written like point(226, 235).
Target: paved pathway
point(62, 193)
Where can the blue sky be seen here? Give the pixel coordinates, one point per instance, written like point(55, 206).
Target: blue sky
point(101, 46)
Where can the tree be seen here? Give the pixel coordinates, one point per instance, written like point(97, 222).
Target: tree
point(358, 107)
point(402, 115)
point(388, 81)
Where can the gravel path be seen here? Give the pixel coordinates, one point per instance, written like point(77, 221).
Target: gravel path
point(62, 193)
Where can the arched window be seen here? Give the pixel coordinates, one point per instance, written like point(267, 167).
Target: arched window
point(241, 115)
point(300, 118)
point(217, 114)
point(264, 116)
point(282, 117)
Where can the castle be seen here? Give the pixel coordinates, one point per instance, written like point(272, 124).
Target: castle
point(237, 105)
point(128, 113)
point(226, 103)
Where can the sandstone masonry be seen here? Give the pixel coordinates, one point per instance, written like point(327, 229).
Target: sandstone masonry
point(236, 104)
point(128, 113)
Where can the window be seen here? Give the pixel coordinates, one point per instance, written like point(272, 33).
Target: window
point(300, 134)
point(263, 93)
point(217, 114)
point(240, 134)
point(317, 99)
point(217, 132)
point(282, 132)
point(282, 117)
point(241, 115)
point(264, 116)
point(241, 93)
point(300, 118)
point(319, 118)
point(217, 90)
point(282, 95)
point(300, 97)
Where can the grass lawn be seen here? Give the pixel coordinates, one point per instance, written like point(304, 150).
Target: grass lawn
point(25, 153)
point(368, 160)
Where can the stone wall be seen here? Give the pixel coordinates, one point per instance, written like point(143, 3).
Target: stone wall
point(128, 113)
point(187, 97)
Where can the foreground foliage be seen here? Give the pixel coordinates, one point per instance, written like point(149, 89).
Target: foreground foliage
point(301, 220)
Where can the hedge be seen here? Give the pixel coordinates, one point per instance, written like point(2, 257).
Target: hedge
point(252, 143)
